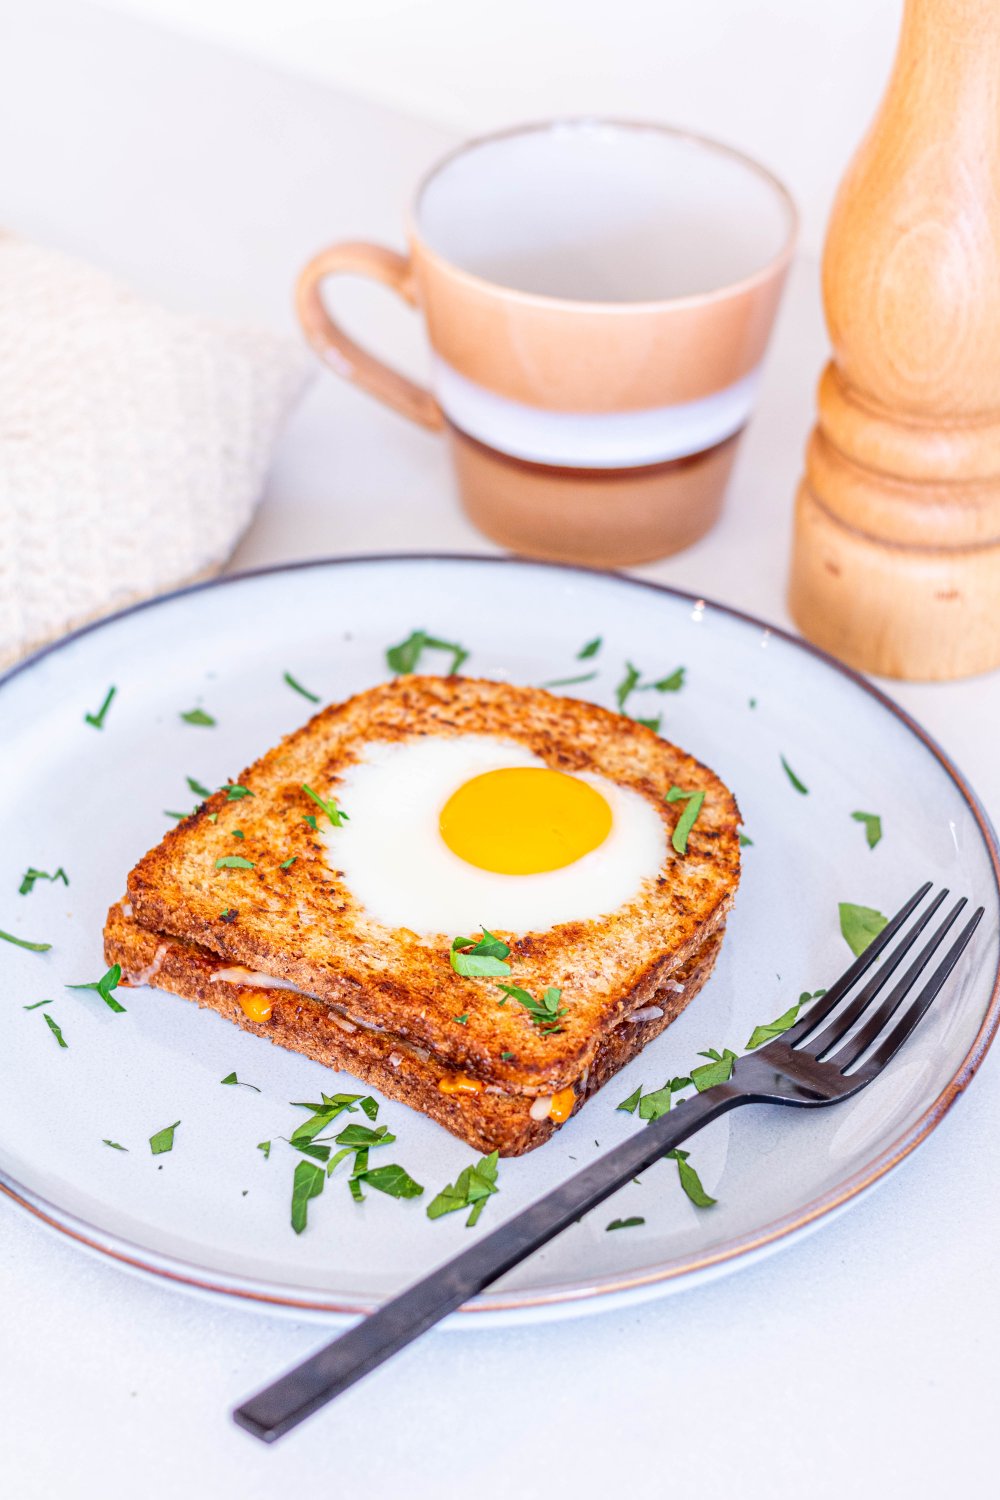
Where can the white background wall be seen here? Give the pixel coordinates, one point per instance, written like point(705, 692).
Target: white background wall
point(791, 81)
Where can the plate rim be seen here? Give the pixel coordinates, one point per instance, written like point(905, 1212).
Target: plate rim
point(594, 1289)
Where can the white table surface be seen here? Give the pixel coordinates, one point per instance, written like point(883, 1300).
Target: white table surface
point(207, 179)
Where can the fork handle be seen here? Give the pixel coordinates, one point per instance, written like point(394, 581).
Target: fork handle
point(281, 1406)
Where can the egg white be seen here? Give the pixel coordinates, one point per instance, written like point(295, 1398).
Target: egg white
point(396, 864)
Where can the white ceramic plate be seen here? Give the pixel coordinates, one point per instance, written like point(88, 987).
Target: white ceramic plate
point(214, 1213)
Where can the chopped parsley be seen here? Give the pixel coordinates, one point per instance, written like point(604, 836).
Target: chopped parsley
point(391, 1179)
point(860, 925)
point(197, 788)
point(632, 1222)
point(504, 1056)
point(310, 818)
point(54, 1029)
point(229, 915)
point(336, 814)
point(590, 649)
point(237, 833)
point(234, 792)
point(688, 817)
point(477, 958)
point(745, 841)
point(545, 1013)
point(471, 1188)
point(8, 937)
point(627, 686)
point(163, 1140)
point(287, 864)
point(323, 1114)
point(98, 719)
point(31, 875)
point(233, 862)
point(404, 658)
point(569, 681)
point(462, 1020)
point(298, 688)
point(36, 1005)
point(115, 1145)
point(873, 826)
point(796, 783)
point(307, 1183)
point(652, 1105)
point(265, 1147)
point(105, 987)
point(690, 1181)
point(232, 1078)
point(178, 817)
point(630, 1104)
point(653, 723)
point(199, 716)
point(718, 1069)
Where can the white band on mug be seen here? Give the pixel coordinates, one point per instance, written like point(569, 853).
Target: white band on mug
point(593, 440)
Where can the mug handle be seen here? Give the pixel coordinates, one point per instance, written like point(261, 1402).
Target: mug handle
point(336, 349)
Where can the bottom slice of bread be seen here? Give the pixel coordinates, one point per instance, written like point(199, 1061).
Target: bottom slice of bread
point(487, 1118)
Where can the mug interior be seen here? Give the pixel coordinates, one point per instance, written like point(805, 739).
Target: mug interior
point(597, 211)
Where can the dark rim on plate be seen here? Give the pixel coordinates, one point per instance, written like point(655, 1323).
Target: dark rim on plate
point(772, 1234)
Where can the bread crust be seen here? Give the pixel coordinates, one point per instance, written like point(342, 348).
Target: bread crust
point(302, 923)
point(487, 1121)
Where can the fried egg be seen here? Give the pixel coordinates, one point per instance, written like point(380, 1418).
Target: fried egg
point(446, 834)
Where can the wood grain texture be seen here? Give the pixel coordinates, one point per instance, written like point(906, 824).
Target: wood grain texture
point(896, 556)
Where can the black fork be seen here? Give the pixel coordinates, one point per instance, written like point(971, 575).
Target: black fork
point(806, 1067)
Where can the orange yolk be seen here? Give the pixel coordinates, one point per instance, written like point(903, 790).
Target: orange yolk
point(562, 1105)
point(458, 1083)
point(522, 820)
point(256, 1007)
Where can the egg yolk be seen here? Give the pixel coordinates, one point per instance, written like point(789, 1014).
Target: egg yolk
point(522, 820)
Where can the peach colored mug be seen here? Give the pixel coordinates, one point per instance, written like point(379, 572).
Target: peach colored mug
point(598, 298)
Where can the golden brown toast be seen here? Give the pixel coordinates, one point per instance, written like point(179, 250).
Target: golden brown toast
point(486, 1119)
point(302, 924)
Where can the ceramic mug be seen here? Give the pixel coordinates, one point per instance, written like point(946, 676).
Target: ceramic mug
point(598, 297)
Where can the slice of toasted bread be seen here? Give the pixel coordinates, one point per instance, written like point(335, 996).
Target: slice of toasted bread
point(301, 923)
point(511, 1123)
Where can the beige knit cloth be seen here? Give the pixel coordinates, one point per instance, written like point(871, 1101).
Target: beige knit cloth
point(134, 442)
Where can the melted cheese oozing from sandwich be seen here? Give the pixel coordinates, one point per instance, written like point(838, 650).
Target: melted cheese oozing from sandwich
point(446, 832)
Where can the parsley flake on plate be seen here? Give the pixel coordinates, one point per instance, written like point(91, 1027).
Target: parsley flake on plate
point(307, 1183)
point(197, 787)
point(31, 876)
point(336, 814)
point(8, 937)
point(471, 1188)
point(632, 1222)
point(115, 1145)
point(477, 958)
point(796, 783)
point(265, 1148)
point(36, 1005)
point(627, 686)
point(232, 1078)
point(590, 649)
point(163, 1140)
point(391, 1179)
point(690, 1181)
point(298, 688)
point(545, 1013)
point(97, 720)
point(688, 817)
point(569, 681)
point(105, 987)
point(873, 826)
point(860, 925)
point(745, 841)
point(233, 862)
point(200, 717)
point(54, 1029)
point(234, 792)
point(718, 1069)
point(405, 658)
point(653, 723)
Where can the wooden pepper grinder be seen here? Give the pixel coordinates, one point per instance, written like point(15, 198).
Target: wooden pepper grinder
point(896, 555)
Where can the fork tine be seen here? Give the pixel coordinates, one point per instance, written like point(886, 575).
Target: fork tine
point(818, 1012)
point(887, 1051)
point(845, 1019)
point(858, 1045)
